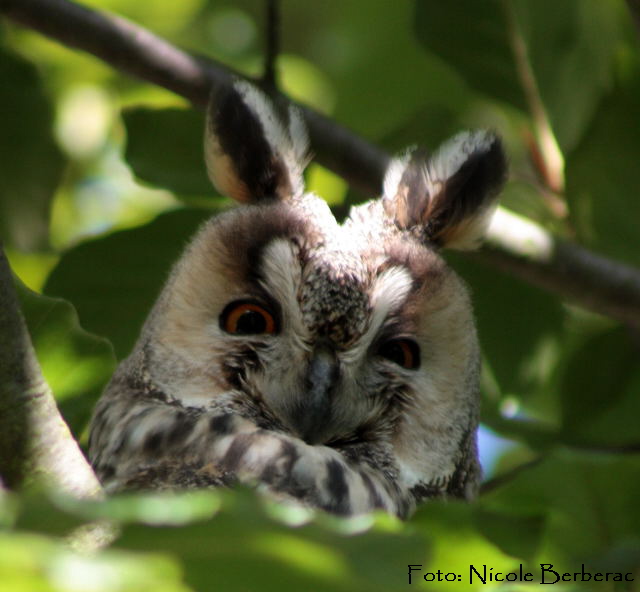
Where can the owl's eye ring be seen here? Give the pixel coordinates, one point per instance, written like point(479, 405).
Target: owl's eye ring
point(247, 317)
point(404, 352)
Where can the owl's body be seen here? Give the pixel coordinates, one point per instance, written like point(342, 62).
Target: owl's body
point(335, 365)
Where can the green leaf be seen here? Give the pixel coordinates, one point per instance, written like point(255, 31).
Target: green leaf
point(599, 389)
point(34, 563)
point(75, 363)
point(618, 425)
point(520, 352)
point(164, 148)
point(30, 163)
point(457, 543)
point(518, 536)
point(166, 508)
point(596, 378)
point(39, 512)
point(473, 38)
point(410, 89)
point(572, 46)
point(568, 46)
point(602, 175)
point(114, 280)
point(242, 548)
point(589, 501)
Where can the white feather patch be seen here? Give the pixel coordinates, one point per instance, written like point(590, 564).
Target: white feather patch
point(389, 292)
point(450, 157)
point(282, 274)
point(394, 173)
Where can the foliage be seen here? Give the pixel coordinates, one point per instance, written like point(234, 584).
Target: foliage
point(560, 385)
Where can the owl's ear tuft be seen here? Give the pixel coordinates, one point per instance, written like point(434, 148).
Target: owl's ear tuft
point(251, 153)
point(450, 197)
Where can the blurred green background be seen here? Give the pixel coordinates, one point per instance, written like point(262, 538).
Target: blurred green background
point(102, 183)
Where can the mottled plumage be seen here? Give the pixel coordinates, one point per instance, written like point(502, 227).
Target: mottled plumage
point(335, 365)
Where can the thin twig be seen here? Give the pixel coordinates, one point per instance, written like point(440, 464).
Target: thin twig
point(500, 480)
point(595, 282)
point(272, 45)
point(508, 476)
point(35, 442)
point(546, 152)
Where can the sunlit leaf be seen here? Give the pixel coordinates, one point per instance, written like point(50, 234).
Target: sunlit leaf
point(33, 563)
point(457, 545)
point(518, 536)
point(165, 508)
point(241, 548)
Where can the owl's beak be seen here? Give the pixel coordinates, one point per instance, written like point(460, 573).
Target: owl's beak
point(314, 413)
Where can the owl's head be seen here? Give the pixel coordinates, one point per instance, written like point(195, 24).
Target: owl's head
point(341, 334)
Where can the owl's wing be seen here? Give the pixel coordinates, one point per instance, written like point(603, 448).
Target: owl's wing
point(162, 446)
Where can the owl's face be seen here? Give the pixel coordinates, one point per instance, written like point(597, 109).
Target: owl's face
point(337, 334)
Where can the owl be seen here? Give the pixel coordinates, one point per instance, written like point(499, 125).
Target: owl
point(330, 365)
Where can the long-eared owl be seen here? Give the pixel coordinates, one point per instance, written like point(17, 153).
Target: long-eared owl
point(332, 364)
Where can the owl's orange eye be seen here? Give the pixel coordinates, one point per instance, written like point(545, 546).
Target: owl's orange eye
point(247, 318)
point(403, 352)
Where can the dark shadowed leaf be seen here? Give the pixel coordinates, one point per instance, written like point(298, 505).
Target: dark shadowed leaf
point(516, 324)
point(589, 500)
point(30, 162)
point(572, 46)
point(113, 280)
point(569, 47)
point(618, 426)
point(164, 148)
point(472, 37)
point(602, 175)
point(596, 380)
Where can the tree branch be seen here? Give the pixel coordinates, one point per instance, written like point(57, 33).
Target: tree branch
point(524, 249)
point(35, 443)
point(135, 51)
point(593, 281)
